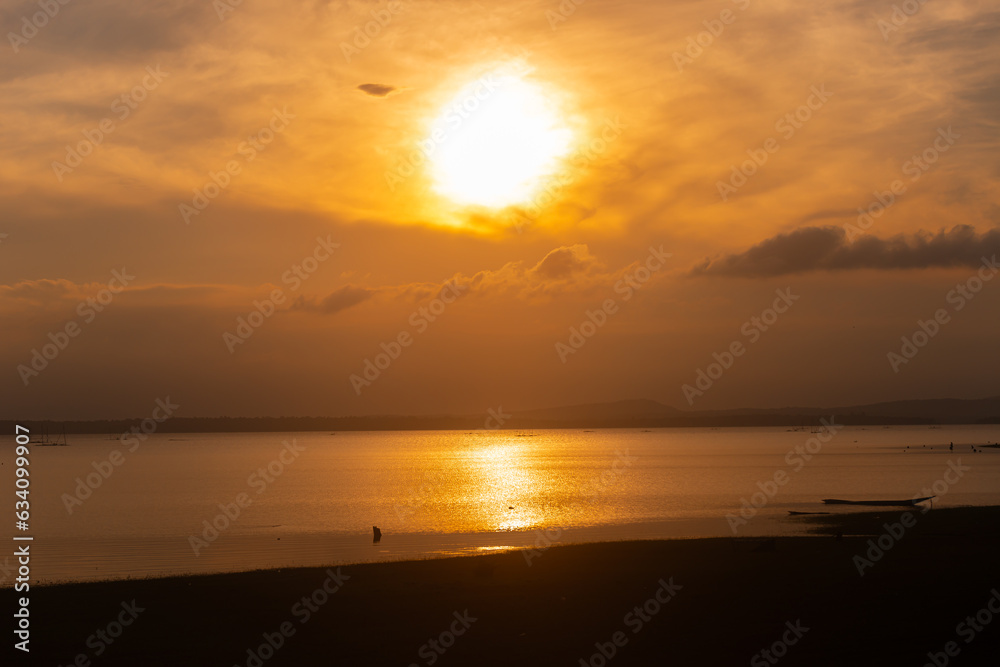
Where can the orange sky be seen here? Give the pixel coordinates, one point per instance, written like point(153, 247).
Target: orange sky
point(660, 112)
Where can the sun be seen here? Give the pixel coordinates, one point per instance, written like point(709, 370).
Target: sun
point(497, 142)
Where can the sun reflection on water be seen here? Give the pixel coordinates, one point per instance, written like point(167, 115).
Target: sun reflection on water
point(500, 481)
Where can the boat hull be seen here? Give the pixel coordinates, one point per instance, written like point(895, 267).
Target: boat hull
point(878, 503)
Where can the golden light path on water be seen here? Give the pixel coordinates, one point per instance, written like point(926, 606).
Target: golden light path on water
point(438, 493)
point(505, 487)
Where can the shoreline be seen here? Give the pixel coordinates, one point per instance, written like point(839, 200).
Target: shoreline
point(734, 598)
point(249, 553)
point(157, 559)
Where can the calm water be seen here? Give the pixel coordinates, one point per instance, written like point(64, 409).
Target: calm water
point(442, 493)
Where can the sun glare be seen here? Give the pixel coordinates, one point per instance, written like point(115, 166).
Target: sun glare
point(496, 142)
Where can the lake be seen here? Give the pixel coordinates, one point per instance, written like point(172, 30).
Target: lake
point(305, 499)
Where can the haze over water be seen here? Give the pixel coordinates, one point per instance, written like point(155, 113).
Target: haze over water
point(437, 493)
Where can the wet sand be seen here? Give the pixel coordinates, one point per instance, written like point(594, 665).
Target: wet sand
point(700, 602)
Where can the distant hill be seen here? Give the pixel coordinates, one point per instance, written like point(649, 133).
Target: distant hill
point(953, 410)
point(619, 411)
point(919, 411)
point(639, 413)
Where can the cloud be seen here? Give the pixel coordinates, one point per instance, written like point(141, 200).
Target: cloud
point(108, 32)
point(45, 294)
point(827, 249)
point(336, 301)
point(563, 270)
point(37, 289)
point(376, 89)
point(563, 262)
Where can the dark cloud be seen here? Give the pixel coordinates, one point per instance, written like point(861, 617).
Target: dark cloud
point(828, 249)
point(336, 301)
point(979, 30)
point(827, 214)
point(103, 31)
point(376, 89)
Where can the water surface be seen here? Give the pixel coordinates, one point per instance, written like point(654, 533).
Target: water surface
point(438, 493)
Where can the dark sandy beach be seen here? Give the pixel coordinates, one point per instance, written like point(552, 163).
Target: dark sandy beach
point(700, 602)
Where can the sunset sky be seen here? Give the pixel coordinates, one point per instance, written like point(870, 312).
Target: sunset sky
point(636, 116)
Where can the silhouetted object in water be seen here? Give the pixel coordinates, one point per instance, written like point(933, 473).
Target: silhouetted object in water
point(951, 447)
point(378, 535)
point(46, 441)
point(878, 503)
